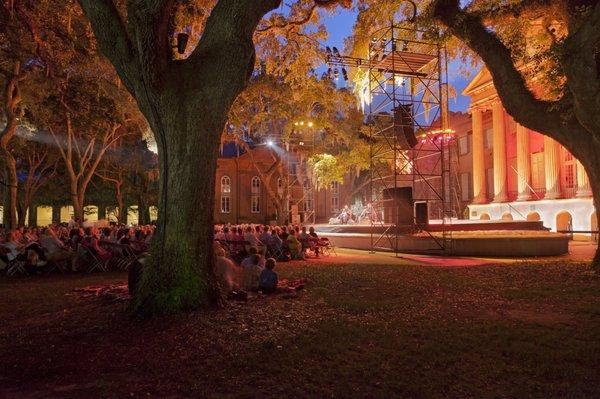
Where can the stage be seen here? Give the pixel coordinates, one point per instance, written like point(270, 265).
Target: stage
point(464, 238)
point(436, 226)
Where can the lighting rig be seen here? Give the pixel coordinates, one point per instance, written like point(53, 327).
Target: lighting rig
point(407, 91)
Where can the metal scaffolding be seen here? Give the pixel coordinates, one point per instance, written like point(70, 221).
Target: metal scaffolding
point(409, 136)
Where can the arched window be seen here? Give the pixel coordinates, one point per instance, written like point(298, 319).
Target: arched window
point(255, 195)
point(225, 194)
point(335, 196)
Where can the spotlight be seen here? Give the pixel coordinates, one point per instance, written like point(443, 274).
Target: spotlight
point(270, 143)
point(328, 50)
point(345, 74)
point(336, 52)
point(310, 124)
point(405, 46)
point(336, 74)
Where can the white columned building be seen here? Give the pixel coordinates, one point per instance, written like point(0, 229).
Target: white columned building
point(519, 174)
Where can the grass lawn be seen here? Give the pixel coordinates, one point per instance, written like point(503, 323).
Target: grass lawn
point(520, 330)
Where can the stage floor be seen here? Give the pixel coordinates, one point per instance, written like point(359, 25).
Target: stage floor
point(434, 225)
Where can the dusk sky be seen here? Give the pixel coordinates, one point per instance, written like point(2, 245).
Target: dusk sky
point(340, 26)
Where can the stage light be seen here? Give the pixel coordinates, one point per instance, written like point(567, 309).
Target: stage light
point(310, 124)
point(270, 143)
point(345, 74)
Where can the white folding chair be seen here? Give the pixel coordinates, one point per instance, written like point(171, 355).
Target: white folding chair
point(93, 262)
point(16, 266)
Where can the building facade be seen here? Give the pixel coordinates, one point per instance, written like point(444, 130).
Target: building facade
point(254, 189)
point(510, 172)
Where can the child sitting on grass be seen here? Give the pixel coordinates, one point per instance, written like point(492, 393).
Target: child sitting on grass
point(268, 279)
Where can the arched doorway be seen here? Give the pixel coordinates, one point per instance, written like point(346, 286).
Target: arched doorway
point(534, 217)
point(484, 216)
point(564, 221)
point(507, 216)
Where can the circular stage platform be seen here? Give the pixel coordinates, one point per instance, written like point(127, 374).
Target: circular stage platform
point(465, 238)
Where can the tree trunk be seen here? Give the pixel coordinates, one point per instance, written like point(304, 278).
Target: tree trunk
point(180, 273)
point(592, 167)
point(10, 206)
point(143, 209)
point(21, 215)
point(77, 202)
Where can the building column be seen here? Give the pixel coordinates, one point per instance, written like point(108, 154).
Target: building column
point(499, 153)
point(479, 188)
point(583, 183)
point(55, 214)
point(523, 164)
point(552, 168)
point(101, 211)
point(32, 216)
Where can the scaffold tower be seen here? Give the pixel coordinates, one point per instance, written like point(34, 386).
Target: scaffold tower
point(410, 141)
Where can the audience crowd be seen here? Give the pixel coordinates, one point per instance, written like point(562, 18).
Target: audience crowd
point(257, 248)
point(70, 246)
point(246, 255)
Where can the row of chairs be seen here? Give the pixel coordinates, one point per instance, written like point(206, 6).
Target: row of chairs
point(86, 259)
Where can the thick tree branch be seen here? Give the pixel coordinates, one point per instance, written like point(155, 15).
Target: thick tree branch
point(113, 38)
point(289, 23)
point(519, 101)
point(580, 67)
point(148, 22)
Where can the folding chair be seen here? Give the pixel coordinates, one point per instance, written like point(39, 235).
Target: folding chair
point(327, 248)
point(16, 266)
point(126, 258)
point(93, 262)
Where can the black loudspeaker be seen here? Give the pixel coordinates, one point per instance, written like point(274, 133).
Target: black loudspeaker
point(421, 213)
point(404, 127)
point(398, 206)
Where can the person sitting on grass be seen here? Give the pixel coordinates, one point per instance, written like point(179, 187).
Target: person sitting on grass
point(294, 245)
point(268, 279)
point(251, 273)
point(247, 261)
point(225, 272)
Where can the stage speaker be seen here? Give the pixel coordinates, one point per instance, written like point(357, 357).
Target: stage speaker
point(404, 127)
point(398, 206)
point(421, 213)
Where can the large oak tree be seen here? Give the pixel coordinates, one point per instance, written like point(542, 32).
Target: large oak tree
point(186, 101)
